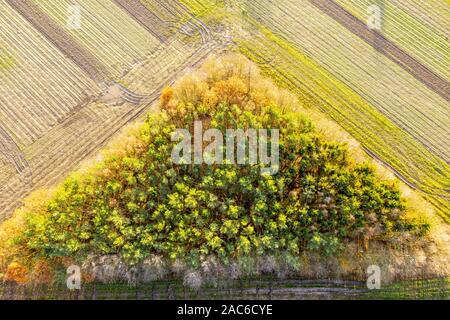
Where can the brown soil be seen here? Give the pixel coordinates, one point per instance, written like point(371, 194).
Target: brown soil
point(386, 47)
point(11, 152)
point(156, 26)
point(61, 39)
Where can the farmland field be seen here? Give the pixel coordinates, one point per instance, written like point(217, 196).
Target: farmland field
point(425, 36)
point(397, 117)
point(91, 92)
point(57, 116)
point(56, 35)
point(115, 38)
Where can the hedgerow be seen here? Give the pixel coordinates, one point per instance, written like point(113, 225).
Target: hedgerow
point(137, 203)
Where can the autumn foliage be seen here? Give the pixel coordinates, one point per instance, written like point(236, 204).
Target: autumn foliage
point(16, 273)
point(136, 202)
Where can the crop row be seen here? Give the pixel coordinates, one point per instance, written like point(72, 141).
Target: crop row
point(115, 38)
point(418, 34)
point(393, 91)
point(42, 85)
point(317, 84)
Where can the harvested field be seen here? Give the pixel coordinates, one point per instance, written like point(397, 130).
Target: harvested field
point(157, 27)
point(41, 86)
point(384, 46)
point(110, 34)
point(60, 39)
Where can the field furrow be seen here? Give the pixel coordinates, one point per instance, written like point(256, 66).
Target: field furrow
point(389, 49)
point(155, 25)
point(110, 34)
point(58, 37)
point(84, 132)
point(41, 86)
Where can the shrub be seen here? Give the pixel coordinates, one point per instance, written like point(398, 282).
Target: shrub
point(42, 273)
point(17, 273)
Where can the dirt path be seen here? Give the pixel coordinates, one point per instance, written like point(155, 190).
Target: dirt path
point(156, 26)
point(61, 39)
point(386, 47)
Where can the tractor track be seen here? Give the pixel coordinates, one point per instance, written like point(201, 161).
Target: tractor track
point(61, 39)
point(151, 22)
point(11, 152)
point(386, 47)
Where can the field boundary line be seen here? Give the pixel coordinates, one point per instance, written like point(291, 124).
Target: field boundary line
point(144, 17)
point(385, 47)
point(62, 40)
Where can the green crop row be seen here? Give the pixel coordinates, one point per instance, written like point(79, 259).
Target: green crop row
point(318, 88)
